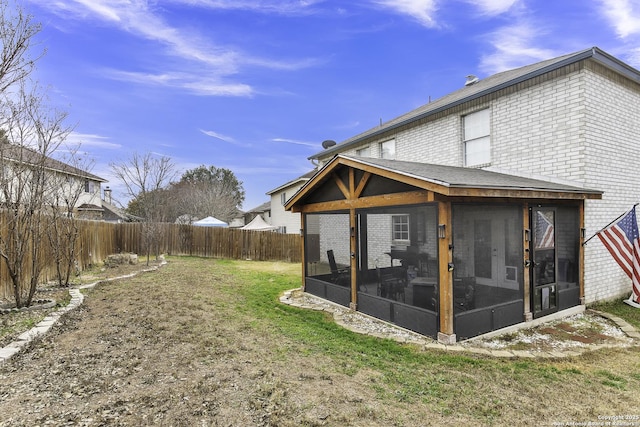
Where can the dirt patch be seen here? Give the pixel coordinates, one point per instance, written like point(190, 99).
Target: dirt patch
point(578, 332)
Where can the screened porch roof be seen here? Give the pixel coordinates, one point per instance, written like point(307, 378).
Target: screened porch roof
point(394, 176)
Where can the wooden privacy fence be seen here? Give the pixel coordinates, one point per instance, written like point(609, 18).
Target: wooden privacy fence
point(98, 239)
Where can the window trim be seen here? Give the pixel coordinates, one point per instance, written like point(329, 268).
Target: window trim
point(393, 157)
point(367, 148)
point(397, 236)
point(476, 138)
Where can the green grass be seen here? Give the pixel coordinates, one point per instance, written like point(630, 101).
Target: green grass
point(405, 373)
point(622, 310)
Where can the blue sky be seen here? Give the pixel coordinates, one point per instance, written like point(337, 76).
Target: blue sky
point(256, 86)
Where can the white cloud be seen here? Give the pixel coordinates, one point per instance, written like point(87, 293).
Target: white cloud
point(91, 140)
point(282, 7)
point(217, 135)
point(422, 11)
point(195, 83)
point(493, 7)
point(295, 142)
point(623, 16)
point(514, 46)
point(206, 62)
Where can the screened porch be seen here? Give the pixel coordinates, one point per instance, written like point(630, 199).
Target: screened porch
point(407, 243)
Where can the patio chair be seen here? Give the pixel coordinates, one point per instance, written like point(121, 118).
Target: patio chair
point(339, 275)
point(390, 286)
point(464, 293)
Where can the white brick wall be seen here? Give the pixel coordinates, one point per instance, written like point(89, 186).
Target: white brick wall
point(612, 140)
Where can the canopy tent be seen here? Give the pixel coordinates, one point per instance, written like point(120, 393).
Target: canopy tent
point(210, 222)
point(259, 224)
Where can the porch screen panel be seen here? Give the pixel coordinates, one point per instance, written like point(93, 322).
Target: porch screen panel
point(327, 248)
point(399, 253)
point(567, 246)
point(488, 268)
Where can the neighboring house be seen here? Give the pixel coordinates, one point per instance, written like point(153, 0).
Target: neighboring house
point(287, 222)
point(263, 210)
point(62, 181)
point(479, 202)
point(112, 213)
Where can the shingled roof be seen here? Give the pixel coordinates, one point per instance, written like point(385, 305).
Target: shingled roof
point(28, 156)
point(447, 180)
point(461, 177)
point(484, 87)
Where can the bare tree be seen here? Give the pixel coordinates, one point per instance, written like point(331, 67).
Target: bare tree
point(17, 33)
point(144, 177)
point(67, 186)
point(30, 132)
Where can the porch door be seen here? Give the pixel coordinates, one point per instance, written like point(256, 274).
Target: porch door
point(544, 298)
point(489, 262)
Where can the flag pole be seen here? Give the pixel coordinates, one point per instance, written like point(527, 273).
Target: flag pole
point(596, 233)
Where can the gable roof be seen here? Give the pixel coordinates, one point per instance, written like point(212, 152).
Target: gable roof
point(210, 222)
point(19, 153)
point(266, 206)
point(487, 86)
point(301, 179)
point(259, 224)
point(111, 212)
point(452, 181)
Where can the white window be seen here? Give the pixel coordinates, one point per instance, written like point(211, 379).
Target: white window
point(364, 152)
point(388, 149)
point(89, 186)
point(477, 138)
point(400, 229)
point(283, 198)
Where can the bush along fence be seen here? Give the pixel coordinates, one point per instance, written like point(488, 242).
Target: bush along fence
point(96, 240)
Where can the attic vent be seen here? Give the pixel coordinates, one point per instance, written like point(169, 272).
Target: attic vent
point(471, 79)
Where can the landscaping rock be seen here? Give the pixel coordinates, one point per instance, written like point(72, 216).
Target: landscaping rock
point(115, 260)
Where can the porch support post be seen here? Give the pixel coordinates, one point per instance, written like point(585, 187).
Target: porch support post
point(353, 264)
point(445, 258)
point(303, 248)
point(581, 253)
point(526, 277)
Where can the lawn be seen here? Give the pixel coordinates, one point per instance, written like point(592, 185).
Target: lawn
point(207, 342)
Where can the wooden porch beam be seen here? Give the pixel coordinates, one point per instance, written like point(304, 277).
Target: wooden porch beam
point(352, 256)
point(362, 184)
point(303, 247)
point(343, 188)
point(445, 277)
point(384, 200)
point(581, 253)
point(526, 277)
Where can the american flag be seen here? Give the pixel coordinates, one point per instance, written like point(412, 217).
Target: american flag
point(545, 231)
point(623, 242)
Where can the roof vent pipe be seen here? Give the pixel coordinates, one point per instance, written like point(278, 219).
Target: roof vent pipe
point(471, 79)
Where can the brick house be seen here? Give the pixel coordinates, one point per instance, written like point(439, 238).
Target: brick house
point(469, 214)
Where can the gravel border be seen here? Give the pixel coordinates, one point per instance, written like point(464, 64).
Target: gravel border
point(364, 324)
